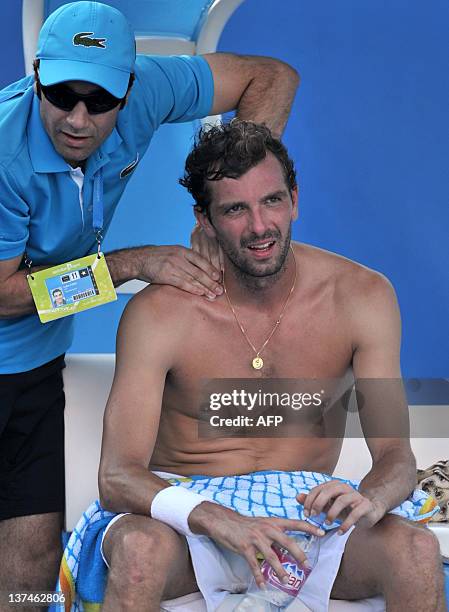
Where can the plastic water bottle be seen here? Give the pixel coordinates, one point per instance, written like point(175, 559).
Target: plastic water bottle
point(277, 595)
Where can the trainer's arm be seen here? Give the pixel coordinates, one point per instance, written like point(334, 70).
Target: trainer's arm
point(15, 295)
point(384, 413)
point(261, 89)
point(162, 265)
point(165, 265)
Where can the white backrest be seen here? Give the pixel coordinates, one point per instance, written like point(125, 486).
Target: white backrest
point(87, 382)
point(355, 460)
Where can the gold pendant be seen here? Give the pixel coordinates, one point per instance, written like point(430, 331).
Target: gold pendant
point(257, 363)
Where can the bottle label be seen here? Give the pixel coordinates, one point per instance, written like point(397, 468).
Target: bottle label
point(297, 574)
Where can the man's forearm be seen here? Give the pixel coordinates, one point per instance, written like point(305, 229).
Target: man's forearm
point(133, 488)
point(15, 295)
point(16, 299)
point(125, 264)
point(391, 479)
point(205, 515)
point(269, 96)
point(129, 489)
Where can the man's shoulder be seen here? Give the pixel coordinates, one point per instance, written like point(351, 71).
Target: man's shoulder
point(14, 91)
point(349, 279)
point(15, 107)
point(169, 89)
point(164, 305)
point(160, 318)
point(154, 64)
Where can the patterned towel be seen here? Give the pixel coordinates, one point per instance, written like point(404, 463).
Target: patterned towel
point(83, 572)
point(273, 493)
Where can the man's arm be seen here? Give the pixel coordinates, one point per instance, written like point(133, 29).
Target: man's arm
point(384, 415)
point(375, 324)
point(145, 349)
point(165, 265)
point(15, 295)
point(261, 89)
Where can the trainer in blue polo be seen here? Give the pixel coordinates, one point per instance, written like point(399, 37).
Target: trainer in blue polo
point(70, 139)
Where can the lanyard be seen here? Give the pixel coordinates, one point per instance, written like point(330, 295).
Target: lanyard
point(97, 221)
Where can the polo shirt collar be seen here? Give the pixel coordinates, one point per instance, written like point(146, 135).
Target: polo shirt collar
point(44, 156)
point(100, 157)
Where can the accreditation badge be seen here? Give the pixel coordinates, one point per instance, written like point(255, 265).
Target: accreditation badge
point(71, 287)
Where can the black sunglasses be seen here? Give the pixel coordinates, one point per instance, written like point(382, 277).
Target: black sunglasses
point(61, 96)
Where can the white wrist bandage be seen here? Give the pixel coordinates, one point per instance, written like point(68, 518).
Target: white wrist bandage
point(173, 506)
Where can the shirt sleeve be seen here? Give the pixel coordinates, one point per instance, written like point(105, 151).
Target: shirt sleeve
point(14, 218)
point(174, 88)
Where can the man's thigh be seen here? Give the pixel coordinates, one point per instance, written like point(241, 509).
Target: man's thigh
point(133, 538)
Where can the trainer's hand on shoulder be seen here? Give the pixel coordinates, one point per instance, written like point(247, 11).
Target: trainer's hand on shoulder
point(338, 500)
point(180, 267)
point(248, 536)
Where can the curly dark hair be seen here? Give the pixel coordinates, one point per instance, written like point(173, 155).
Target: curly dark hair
point(230, 150)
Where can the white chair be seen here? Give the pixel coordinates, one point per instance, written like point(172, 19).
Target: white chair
point(88, 380)
point(171, 27)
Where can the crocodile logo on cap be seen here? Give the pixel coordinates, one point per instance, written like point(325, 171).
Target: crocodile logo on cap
point(83, 38)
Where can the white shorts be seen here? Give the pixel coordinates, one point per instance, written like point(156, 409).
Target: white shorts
point(219, 571)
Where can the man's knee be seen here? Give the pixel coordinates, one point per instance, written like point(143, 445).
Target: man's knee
point(387, 555)
point(407, 546)
point(146, 547)
point(421, 547)
point(142, 554)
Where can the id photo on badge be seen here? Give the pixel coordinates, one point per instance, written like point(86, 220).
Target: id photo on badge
point(57, 297)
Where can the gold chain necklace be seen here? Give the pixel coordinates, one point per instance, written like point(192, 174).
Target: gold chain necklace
point(257, 362)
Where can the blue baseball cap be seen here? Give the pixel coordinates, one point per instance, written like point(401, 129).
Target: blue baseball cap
point(87, 41)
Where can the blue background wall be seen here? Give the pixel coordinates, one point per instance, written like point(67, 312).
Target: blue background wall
point(370, 135)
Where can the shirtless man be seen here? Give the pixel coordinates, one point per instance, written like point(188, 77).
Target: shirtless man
point(340, 314)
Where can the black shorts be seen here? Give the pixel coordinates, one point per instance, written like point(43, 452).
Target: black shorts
point(32, 477)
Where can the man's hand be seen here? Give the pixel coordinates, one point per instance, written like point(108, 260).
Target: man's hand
point(166, 265)
point(339, 500)
point(248, 536)
point(206, 247)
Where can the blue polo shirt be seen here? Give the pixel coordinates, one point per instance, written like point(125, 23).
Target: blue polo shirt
point(40, 210)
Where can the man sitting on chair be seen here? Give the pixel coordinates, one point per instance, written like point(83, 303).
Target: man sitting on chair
point(290, 311)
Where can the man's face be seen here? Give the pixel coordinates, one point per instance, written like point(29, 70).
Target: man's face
point(57, 297)
point(75, 134)
point(251, 218)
